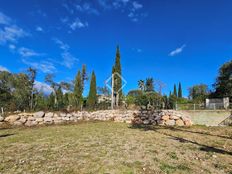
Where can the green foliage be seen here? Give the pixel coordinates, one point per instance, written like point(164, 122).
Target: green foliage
point(6, 84)
point(183, 101)
point(60, 103)
point(51, 101)
point(172, 101)
point(31, 75)
point(21, 91)
point(117, 79)
point(92, 98)
point(174, 91)
point(134, 93)
point(41, 102)
point(198, 93)
point(152, 98)
point(223, 84)
point(142, 100)
point(84, 76)
point(166, 102)
point(130, 100)
point(179, 91)
point(66, 100)
point(149, 86)
point(78, 90)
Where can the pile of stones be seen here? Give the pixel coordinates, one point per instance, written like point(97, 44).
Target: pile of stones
point(161, 117)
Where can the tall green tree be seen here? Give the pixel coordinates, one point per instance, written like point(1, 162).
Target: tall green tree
point(117, 71)
point(21, 92)
point(170, 93)
point(84, 76)
point(77, 93)
point(175, 91)
point(223, 84)
point(198, 93)
point(6, 86)
point(179, 91)
point(172, 101)
point(92, 98)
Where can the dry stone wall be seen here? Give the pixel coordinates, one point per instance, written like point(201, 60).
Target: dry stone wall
point(128, 116)
point(40, 118)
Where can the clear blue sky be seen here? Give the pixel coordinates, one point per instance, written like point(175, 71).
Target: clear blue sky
point(169, 40)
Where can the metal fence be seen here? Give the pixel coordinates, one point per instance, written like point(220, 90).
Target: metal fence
point(213, 106)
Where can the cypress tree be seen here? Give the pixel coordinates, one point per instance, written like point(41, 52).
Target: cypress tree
point(175, 92)
point(117, 79)
point(179, 91)
point(78, 89)
point(92, 98)
point(84, 76)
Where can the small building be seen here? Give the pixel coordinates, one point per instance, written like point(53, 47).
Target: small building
point(217, 103)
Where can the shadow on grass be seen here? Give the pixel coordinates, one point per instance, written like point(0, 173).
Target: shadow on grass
point(146, 128)
point(202, 133)
point(203, 147)
point(5, 135)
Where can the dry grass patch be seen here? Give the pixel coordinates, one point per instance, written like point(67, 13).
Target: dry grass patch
point(107, 147)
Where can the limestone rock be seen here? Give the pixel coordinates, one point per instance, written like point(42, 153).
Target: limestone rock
point(188, 123)
point(31, 118)
point(160, 122)
point(12, 118)
point(174, 117)
point(49, 114)
point(17, 123)
point(22, 120)
point(146, 122)
point(179, 123)
point(39, 119)
point(58, 121)
point(170, 122)
point(25, 114)
point(39, 114)
point(30, 123)
point(48, 119)
point(63, 114)
point(165, 117)
point(1, 118)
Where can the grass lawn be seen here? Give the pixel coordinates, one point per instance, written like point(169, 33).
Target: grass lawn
point(108, 147)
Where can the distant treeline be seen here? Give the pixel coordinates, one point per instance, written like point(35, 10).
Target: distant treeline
point(18, 92)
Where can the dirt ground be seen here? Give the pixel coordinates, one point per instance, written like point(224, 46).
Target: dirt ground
point(108, 147)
